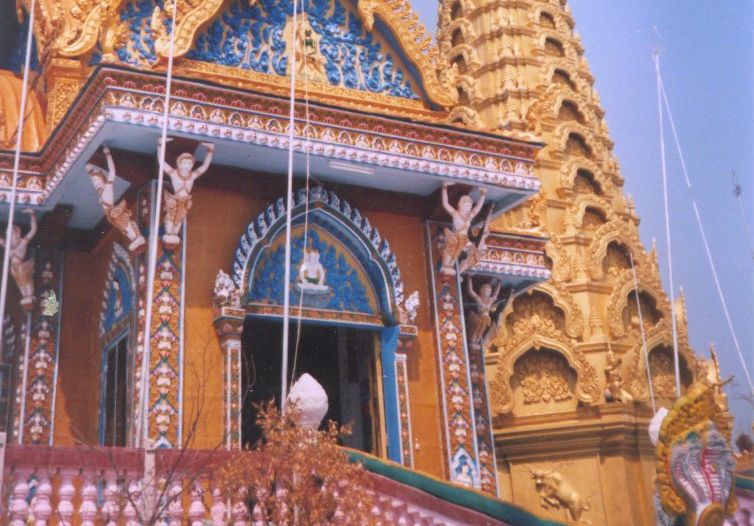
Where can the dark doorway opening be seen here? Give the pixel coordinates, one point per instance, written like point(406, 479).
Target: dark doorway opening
point(115, 395)
point(342, 359)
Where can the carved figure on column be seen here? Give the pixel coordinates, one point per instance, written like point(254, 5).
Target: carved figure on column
point(480, 319)
point(477, 248)
point(614, 391)
point(182, 177)
point(117, 215)
point(22, 269)
point(457, 238)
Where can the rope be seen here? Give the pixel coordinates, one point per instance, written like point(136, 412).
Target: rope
point(643, 334)
point(16, 163)
point(153, 235)
point(704, 235)
point(288, 214)
point(667, 229)
point(306, 213)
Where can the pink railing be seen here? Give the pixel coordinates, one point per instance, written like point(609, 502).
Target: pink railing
point(122, 486)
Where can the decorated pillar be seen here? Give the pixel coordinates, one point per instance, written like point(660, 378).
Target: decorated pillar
point(229, 319)
point(456, 390)
point(164, 375)
point(41, 363)
point(405, 343)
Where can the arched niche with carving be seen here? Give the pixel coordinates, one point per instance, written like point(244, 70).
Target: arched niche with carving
point(586, 388)
point(543, 381)
point(588, 211)
point(624, 233)
point(659, 345)
point(548, 307)
point(617, 259)
point(662, 368)
point(354, 248)
point(623, 299)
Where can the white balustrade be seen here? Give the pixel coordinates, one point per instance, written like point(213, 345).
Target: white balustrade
point(42, 508)
point(197, 510)
point(111, 494)
point(134, 504)
point(88, 507)
point(68, 486)
point(219, 510)
point(19, 508)
point(240, 511)
point(66, 492)
point(175, 502)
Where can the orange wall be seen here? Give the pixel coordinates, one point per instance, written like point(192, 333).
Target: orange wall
point(222, 208)
point(80, 357)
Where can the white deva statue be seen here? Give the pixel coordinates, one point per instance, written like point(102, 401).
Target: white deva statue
point(480, 319)
point(457, 238)
point(22, 269)
point(182, 177)
point(117, 215)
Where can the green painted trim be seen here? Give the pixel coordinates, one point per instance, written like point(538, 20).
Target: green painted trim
point(746, 483)
point(473, 500)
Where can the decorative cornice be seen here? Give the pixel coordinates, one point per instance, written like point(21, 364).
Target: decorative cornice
point(515, 256)
point(134, 97)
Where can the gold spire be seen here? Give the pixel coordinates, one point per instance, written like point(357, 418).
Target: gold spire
point(530, 79)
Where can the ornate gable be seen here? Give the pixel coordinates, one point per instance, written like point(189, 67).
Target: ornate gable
point(369, 47)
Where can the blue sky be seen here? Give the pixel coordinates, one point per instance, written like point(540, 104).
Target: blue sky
point(707, 61)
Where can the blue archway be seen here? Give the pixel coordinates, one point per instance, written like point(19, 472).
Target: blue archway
point(363, 275)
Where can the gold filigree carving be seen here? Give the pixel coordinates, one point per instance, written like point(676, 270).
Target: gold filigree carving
point(544, 376)
point(579, 214)
point(320, 91)
point(90, 22)
point(570, 169)
point(659, 337)
point(535, 321)
point(192, 15)
point(536, 335)
point(562, 267)
point(564, 300)
point(536, 211)
point(413, 39)
point(63, 94)
point(617, 260)
point(624, 296)
point(626, 233)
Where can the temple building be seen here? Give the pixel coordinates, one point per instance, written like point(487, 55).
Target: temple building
point(457, 263)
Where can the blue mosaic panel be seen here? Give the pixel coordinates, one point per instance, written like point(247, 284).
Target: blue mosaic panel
point(251, 37)
point(347, 291)
point(119, 299)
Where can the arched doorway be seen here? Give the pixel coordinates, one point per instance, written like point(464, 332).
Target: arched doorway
point(346, 292)
point(344, 360)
